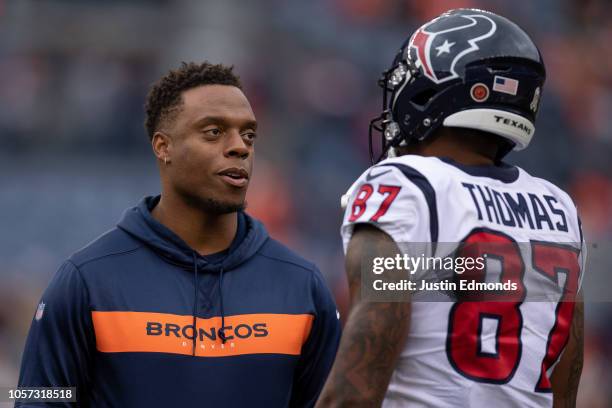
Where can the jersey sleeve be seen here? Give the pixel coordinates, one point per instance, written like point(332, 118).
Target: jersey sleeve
point(319, 351)
point(386, 198)
point(60, 341)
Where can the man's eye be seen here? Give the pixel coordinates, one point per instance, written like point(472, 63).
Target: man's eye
point(212, 131)
point(250, 135)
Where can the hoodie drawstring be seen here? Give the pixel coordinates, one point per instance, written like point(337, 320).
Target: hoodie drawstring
point(195, 302)
point(221, 330)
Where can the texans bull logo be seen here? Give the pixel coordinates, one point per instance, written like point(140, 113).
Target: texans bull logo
point(437, 46)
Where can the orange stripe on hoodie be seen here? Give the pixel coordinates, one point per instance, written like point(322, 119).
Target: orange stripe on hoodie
point(261, 333)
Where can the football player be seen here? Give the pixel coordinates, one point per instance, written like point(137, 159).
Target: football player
point(462, 92)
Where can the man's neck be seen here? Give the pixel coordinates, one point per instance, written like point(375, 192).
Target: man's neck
point(462, 148)
point(204, 232)
point(461, 156)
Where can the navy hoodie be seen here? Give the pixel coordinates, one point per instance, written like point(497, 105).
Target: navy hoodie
point(139, 319)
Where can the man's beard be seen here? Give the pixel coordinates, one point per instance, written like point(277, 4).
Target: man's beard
point(211, 205)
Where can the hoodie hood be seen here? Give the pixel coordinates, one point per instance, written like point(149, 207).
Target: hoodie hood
point(138, 222)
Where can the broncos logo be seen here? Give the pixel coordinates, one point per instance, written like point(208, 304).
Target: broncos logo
point(438, 45)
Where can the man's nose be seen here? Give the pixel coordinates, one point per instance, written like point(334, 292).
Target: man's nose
point(236, 146)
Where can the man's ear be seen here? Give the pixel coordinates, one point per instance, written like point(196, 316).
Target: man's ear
point(162, 147)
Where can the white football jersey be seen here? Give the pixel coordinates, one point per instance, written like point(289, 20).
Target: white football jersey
point(477, 354)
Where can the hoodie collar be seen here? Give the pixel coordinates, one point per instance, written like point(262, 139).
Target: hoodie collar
point(138, 222)
point(241, 230)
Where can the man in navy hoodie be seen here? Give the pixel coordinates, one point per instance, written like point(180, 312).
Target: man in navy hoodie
point(187, 302)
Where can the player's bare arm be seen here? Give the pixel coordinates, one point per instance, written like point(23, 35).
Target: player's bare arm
point(566, 376)
point(373, 336)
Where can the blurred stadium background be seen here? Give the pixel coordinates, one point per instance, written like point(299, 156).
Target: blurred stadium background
point(74, 155)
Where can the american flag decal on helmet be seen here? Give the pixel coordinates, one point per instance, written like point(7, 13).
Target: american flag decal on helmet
point(505, 85)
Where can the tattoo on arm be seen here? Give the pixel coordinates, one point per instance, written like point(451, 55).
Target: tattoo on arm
point(373, 337)
point(577, 336)
point(566, 376)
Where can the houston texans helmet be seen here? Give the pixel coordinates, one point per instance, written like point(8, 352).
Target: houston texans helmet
point(466, 68)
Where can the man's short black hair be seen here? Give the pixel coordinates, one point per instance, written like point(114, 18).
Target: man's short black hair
point(164, 98)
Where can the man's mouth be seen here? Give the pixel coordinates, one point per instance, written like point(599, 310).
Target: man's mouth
point(235, 176)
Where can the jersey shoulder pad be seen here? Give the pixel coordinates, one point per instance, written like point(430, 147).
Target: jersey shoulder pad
point(394, 197)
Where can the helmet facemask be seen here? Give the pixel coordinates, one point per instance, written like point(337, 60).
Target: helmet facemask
point(401, 74)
